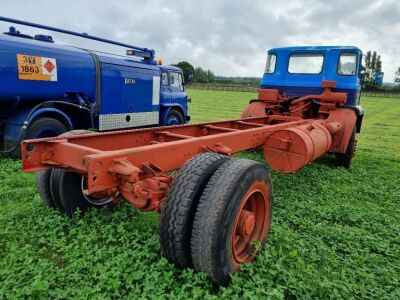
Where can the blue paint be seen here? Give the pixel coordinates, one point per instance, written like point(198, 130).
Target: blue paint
point(297, 85)
point(89, 83)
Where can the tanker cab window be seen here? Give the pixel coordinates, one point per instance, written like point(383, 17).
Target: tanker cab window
point(176, 81)
point(306, 63)
point(164, 78)
point(271, 64)
point(347, 64)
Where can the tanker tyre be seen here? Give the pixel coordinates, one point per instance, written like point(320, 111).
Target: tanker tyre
point(174, 117)
point(41, 128)
point(45, 127)
point(43, 187)
point(66, 190)
point(180, 204)
point(234, 211)
point(344, 159)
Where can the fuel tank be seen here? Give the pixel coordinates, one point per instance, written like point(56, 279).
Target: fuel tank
point(288, 150)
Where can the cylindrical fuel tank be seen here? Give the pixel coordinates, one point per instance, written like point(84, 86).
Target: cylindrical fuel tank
point(288, 150)
point(37, 70)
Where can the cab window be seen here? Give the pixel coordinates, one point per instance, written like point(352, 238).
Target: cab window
point(306, 63)
point(347, 64)
point(164, 78)
point(271, 64)
point(176, 80)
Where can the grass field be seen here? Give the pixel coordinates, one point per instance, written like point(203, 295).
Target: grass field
point(335, 233)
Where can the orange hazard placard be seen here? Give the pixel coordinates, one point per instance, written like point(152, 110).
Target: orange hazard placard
point(36, 68)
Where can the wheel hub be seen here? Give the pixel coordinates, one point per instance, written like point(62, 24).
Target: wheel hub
point(246, 223)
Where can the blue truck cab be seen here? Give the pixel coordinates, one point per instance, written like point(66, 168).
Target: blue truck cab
point(48, 88)
point(299, 71)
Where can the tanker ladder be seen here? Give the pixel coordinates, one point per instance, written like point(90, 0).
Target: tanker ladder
point(214, 207)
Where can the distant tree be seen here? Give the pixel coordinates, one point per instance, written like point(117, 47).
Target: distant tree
point(372, 65)
point(210, 76)
point(397, 76)
point(187, 69)
point(203, 76)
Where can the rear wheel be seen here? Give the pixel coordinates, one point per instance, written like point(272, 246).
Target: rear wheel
point(234, 211)
point(42, 128)
point(57, 189)
point(180, 204)
point(344, 159)
point(45, 127)
point(67, 190)
point(43, 187)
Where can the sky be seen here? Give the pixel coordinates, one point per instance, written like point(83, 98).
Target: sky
point(230, 37)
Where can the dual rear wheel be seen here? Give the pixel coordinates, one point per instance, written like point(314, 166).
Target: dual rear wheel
point(214, 212)
point(63, 190)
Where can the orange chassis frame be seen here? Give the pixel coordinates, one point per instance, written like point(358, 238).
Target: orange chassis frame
point(134, 163)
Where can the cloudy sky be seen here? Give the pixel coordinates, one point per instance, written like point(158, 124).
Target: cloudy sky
point(230, 37)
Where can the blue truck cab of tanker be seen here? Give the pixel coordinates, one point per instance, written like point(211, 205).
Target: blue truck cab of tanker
point(174, 97)
point(299, 71)
point(48, 88)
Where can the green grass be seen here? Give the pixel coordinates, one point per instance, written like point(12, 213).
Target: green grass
point(335, 233)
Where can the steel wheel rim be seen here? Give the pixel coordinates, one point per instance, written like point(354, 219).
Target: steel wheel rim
point(94, 201)
point(251, 223)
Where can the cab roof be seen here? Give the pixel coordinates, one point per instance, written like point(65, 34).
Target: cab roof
point(170, 68)
point(313, 48)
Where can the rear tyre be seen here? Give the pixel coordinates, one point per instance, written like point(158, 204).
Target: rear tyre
point(66, 188)
point(234, 211)
point(45, 127)
point(344, 159)
point(180, 204)
point(43, 187)
point(43, 178)
point(174, 117)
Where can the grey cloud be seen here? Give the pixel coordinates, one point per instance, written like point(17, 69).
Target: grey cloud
point(229, 37)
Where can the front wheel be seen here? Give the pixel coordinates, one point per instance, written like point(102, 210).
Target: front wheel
point(174, 117)
point(344, 159)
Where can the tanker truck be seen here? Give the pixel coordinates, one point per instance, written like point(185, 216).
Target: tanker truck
point(48, 88)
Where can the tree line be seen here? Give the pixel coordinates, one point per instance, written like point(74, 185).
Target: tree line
point(197, 75)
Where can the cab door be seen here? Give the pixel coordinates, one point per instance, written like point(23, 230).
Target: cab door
point(177, 88)
point(166, 90)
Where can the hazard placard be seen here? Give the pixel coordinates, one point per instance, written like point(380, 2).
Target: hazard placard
point(36, 68)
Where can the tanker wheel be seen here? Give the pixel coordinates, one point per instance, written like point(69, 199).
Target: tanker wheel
point(174, 117)
point(180, 204)
point(344, 159)
point(234, 211)
point(41, 128)
point(43, 178)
